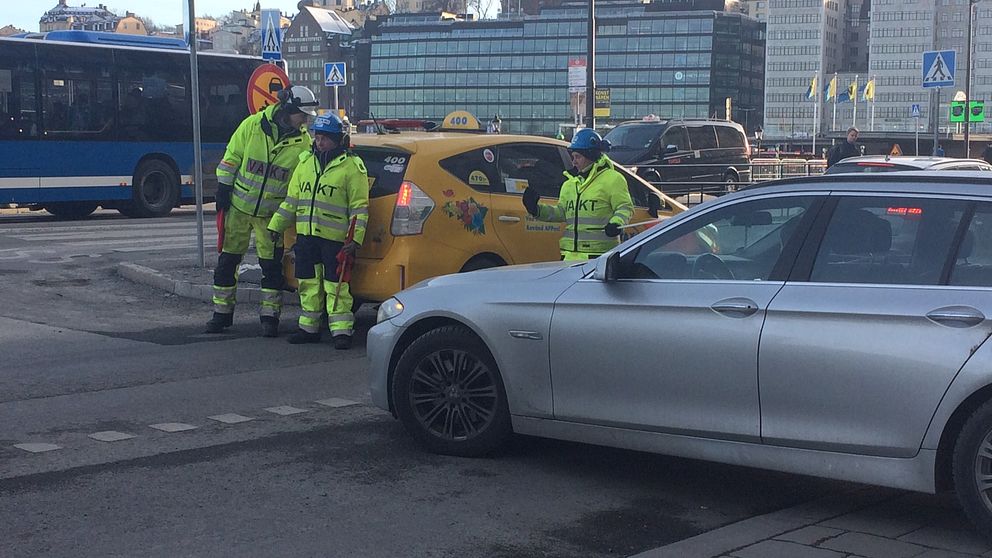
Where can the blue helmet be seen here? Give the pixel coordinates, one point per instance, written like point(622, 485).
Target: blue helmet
point(587, 139)
point(328, 124)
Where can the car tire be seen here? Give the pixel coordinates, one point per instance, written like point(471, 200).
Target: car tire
point(71, 210)
point(972, 466)
point(449, 395)
point(156, 189)
point(732, 181)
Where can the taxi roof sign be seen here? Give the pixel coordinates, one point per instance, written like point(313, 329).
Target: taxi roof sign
point(264, 86)
point(461, 120)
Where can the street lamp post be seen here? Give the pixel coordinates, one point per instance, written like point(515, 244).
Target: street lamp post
point(591, 67)
point(967, 87)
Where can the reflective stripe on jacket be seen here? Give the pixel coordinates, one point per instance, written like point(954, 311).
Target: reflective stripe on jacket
point(587, 204)
point(323, 201)
point(258, 164)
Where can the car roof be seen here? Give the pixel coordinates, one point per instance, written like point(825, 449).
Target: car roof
point(966, 183)
point(445, 142)
point(918, 161)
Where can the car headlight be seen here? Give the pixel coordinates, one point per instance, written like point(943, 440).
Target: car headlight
point(389, 310)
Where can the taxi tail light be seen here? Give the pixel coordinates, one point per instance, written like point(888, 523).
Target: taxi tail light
point(412, 208)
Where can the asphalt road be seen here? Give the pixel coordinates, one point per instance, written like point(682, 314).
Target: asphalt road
point(316, 471)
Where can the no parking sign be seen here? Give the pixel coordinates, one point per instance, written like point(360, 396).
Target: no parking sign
point(264, 86)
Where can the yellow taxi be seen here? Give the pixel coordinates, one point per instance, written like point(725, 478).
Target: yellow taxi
point(447, 202)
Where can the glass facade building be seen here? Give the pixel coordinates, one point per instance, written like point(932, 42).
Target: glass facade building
point(672, 60)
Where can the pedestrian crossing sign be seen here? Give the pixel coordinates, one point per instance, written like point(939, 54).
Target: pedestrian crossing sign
point(271, 35)
point(335, 74)
point(938, 68)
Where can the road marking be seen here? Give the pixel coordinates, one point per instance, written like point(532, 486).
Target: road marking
point(111, 436)
point(173, 427)
point(37, 447)
point(336, 402)
point(286, 410)
point(230, 418)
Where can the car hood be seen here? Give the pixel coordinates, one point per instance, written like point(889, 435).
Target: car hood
point(504, 274)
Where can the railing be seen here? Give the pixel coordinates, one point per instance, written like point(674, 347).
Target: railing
point(695, 183)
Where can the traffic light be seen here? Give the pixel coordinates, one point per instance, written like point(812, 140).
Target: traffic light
point(957, 111)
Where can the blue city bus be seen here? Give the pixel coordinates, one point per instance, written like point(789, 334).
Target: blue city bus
point(93, 119)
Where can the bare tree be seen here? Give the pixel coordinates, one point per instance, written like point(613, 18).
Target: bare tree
point(483, 8)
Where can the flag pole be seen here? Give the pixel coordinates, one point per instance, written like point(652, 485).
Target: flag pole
point(854, 119)
point(816, 107)
point(833, 124)
point(873, 85)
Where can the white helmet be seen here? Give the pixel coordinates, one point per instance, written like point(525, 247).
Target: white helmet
point(300, 98)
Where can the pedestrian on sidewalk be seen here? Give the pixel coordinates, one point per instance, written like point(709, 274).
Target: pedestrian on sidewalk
point(251, 183)
point(849, 148)
point(328, 192)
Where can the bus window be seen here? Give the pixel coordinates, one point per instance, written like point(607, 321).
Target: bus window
point(223, 90)
point(18, 96)
point(154, 105)
point(78, 93)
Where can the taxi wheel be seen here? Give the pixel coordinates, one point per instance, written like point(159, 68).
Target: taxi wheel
point(972, 467)
point(481, 262)
point(449, 395)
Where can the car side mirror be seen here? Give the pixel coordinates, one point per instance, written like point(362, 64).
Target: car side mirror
point(607, 268)
point(671, 149)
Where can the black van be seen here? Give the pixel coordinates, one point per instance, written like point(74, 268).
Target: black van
point(678, 152)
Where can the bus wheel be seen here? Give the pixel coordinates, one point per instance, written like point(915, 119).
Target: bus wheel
point(73, 210)
point(156, 189)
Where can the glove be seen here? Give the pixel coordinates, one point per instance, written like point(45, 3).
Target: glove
point(612, 229)
point(350, 248)
point(223, 197)
point(531, 198)
point(276, 236)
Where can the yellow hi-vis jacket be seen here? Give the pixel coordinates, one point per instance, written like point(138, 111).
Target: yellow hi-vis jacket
point(322, 201)
point(587, 204)
point(258, 164)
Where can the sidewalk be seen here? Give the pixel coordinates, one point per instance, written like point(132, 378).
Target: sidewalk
point(183, 277)
point(868, 522)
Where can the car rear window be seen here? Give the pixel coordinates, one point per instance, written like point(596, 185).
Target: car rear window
point(843, 167)
point(729, 137)
point(386, 169)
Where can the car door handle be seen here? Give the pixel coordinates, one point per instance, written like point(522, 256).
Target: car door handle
point(956, 316)
point(508, 219)
point(736, 307)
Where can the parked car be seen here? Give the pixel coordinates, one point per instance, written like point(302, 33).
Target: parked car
point(834, 326)
point(887, 163)
point(442, 203)
point(679, 152)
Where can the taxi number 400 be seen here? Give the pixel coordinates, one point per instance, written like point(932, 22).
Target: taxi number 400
point(395, 160)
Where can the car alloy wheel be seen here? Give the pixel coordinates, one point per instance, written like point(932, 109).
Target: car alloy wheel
point(453, 395)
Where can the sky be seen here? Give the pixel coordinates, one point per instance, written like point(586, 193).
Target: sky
point(25, 14)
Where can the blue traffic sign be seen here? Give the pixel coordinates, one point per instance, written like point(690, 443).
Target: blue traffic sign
point(271, 35)
point(335, 74)
point(938, 68)
point(915, 110)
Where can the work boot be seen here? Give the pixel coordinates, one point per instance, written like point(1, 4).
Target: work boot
point(342, 342)
point(302, 336)
point(270, 326)
point(219, 321)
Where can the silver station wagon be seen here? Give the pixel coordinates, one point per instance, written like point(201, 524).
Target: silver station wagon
point(833, 326)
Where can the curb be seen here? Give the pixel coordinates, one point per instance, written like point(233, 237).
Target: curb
point(725, 540)
point(153, 278)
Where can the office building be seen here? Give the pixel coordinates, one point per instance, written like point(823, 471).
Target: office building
point(674, 60)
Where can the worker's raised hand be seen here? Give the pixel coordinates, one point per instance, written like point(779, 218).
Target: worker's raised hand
point(531, 201)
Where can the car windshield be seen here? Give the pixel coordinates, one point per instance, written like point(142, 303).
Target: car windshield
point(634, 136)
